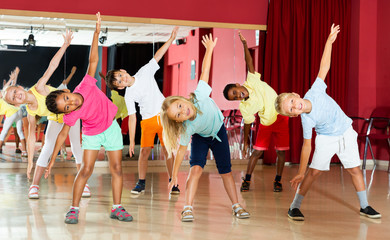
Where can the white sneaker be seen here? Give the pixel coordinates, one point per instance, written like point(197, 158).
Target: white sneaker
point(87, 191)
point(33, 192)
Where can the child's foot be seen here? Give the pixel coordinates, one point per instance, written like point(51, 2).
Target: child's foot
point(139, 188)
point(277, 186)
point(33, 192)
point(18, 150)
point(87, 191)
point(175, 190)
point(24, 154)
point(245, 185)
point(72, 217)
point(187, 215)
point(370, 212)
point(295, 214)
point(121, 214)
point(239, 212)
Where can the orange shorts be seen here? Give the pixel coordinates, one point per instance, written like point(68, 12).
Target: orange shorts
point(149, 128)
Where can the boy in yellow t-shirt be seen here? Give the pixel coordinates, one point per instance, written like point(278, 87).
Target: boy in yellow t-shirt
point(257, 96)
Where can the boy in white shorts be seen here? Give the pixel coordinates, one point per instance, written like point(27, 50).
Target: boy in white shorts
point(334, 136)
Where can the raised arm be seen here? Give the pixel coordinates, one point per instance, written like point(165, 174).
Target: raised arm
point(305, 154)
point(209, 44)
point(55, 61)
point(176, 165)
point(13, 77)
point(248, 56)
point(72, 72)
point(94, 52)
point(60, 140)
point(160, 52)
point(326, 56)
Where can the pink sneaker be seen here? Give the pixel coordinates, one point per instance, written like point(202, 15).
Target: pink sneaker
point(87, 191)
point(33, 192)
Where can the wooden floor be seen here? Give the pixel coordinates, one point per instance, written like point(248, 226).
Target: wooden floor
point(330, 208)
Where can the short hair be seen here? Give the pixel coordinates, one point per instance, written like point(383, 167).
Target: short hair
point(111, 79)
point(51, 101)
point(279, 101)
point(227, 89)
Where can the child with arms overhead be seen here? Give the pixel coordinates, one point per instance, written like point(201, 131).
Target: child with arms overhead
point(335, 135)
point(143, 89)
point(200, 118)
point(91, 105)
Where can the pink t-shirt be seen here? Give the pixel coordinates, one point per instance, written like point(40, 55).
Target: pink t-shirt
point(97, 111)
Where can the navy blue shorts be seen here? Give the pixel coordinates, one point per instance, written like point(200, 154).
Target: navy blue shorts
point(201, 145)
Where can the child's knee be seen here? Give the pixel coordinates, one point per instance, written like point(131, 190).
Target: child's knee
point(116, 169)
point(196, 171)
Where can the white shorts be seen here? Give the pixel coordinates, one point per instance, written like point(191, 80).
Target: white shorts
point(345, 146)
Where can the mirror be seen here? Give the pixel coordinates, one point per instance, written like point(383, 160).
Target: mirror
point(30, 42)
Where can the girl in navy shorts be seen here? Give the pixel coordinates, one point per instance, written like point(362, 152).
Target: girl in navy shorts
point(200, 118)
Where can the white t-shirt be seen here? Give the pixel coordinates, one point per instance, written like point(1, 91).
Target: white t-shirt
point(145, 92)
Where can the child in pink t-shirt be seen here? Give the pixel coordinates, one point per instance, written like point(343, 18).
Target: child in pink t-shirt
point(97, 113)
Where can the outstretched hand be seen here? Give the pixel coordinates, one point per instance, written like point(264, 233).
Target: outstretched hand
point(296, 181)
point(243, 40)
point(172, 183)
point(334, 30)
point(98, 22)
point(68, 37)
point(174, 33)
point(208, 42)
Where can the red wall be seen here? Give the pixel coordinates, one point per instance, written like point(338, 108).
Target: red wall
point(369, 61)
point(226, 11)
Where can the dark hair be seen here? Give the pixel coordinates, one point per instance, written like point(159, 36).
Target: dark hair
point(110, 79)
point(226, 90)
point(51, 102)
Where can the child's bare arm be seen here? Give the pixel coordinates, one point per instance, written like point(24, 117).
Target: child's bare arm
point(160, 52)
point(72, 72)
point(94, 52)
point(13, 77)
point(55, 61)
point(209, 44)
point(305, 154)
point(176, 165)
point(248, 57)
point(326, 56)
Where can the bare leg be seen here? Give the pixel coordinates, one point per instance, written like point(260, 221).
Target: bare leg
point(39, 171)
point(310, 177)
point(89, 158)
point(253, 161)
point(230, 187)
point(280, 163)
point(143, 162)
point(115, 159)
point(357, 178)
point(192, 184)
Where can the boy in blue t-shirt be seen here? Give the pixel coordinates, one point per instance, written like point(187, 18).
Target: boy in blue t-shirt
point(335, 135)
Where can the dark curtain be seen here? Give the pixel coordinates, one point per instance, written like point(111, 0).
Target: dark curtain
point(296, 35)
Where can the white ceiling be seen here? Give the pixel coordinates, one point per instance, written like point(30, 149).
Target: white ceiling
point(48, 31)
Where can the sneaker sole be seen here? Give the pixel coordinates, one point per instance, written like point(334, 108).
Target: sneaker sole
point(33, 196)
point(86, 195)
point(371, 216)
point(243, 217)
point(296, 218)
point(244, 190)
point(136, 192)
point(175, 192)
point(278, 190)
point(121, 219)
point(73, 221)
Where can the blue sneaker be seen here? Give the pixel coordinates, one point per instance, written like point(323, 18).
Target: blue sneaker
point(139, 188)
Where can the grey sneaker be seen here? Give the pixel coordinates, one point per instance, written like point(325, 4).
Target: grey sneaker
point(121, 214)
point(72, 217)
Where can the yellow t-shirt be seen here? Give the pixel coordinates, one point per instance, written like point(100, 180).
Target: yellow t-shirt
point(7, 109)
point(42, 109)
point(119, 101)
point(261, 100)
